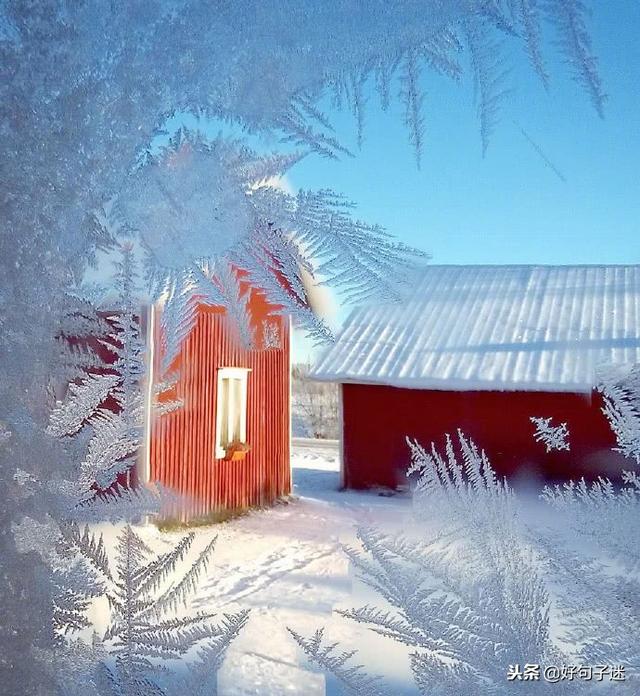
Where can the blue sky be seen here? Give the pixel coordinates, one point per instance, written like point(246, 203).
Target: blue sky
point(508, 207)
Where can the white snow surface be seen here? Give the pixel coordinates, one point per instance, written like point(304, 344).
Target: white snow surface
point(287, 566)
point(545, 328)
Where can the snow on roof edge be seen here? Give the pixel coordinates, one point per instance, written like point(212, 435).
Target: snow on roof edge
point(459, 385)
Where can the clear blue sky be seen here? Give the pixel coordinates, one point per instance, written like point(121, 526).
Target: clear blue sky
point(508, 207)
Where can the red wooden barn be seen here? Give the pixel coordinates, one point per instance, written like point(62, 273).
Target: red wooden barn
point(483, 349)
point(227, 446)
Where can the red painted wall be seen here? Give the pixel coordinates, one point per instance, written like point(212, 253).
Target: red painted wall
point(377, 418)
point(183, 442)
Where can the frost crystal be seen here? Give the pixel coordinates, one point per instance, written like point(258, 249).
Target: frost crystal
point(269, 238)
point(5, 433)
point(601, 610)
point(621, 394)
point(327, 656)
point(116, 431)
point(189, 203)
point(271, 336)
point(554, 437)
point(144, 592)
point(87, 91)
point(465, 592)
point(599, 596)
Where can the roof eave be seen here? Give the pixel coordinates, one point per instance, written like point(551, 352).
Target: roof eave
point(458, 385)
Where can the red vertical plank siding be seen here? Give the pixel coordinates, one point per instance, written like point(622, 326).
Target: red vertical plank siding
point(182, 452)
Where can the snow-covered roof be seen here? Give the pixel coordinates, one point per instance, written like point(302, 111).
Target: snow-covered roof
point(544, 328)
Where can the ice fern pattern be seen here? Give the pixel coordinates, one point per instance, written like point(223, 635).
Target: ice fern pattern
point(621, 394)
point(489, 78)
point(466, 596)
point(195, 235)
point(601, 610)
point(102, 81)
point(116, 432)
point(464, 590)
point(575, 43)
point(145, 633)
point(83, 402)
point(554, 437)
point(600, 590)
point(352, 679)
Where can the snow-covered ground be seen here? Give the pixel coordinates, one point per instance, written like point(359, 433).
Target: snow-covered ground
point(286, 565)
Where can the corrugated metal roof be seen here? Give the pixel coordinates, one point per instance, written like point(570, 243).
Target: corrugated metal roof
point(544, 328)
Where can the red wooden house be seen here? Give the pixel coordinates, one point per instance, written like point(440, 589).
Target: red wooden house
point(483, 349)
point(227, 446)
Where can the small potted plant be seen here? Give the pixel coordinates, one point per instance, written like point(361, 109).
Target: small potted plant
point(236, 450)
